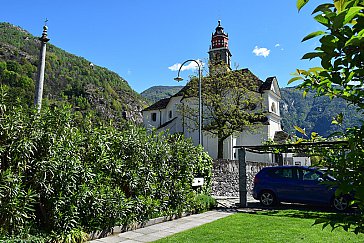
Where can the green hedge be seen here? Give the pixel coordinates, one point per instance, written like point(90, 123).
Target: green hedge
point(61, 176)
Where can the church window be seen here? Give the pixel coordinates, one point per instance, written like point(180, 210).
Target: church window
point(170, 114)
point(154, 116)
point(273, 107)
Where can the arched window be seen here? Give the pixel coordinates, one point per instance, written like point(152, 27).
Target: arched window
point(273, 107)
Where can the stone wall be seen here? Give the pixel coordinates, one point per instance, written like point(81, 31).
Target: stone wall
point(225, 176)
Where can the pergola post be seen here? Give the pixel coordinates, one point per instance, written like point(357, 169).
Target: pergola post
point(242, 178)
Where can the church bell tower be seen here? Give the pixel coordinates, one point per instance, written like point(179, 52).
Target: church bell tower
point(219, 52)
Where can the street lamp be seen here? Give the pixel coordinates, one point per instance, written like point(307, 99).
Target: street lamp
point(178, 78)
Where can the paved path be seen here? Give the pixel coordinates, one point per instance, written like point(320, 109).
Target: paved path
point(226, 206)
point(161, 230)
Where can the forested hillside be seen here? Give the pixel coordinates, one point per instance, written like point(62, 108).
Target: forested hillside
point(311, 113)
point(156, 93)
point(68, 78)
point(315, 113)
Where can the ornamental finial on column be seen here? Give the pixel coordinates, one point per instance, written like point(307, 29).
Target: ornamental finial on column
point(44, 37)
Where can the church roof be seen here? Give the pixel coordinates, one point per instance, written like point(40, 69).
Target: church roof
point(267, 85)
point(161, 104)
point(166, 123)
point(245, 72)
point(184, 90)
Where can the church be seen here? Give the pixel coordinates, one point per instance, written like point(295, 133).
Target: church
point(164, 115)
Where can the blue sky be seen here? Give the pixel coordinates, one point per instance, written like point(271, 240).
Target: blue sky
point(140, 39)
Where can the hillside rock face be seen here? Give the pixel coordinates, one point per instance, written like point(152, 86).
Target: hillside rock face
point(68, 78)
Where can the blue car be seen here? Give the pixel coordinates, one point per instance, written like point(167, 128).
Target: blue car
point(296, 184)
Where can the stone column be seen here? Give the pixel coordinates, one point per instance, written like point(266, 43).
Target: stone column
point(41, 68)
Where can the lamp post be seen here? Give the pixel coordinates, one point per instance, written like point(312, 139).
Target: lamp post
point(178, 78)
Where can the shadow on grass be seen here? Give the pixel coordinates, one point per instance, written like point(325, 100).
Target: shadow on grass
point(319, 213)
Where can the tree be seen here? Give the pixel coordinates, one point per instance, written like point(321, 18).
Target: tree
point(341, 52)
point(231, 103)
point(341, 74)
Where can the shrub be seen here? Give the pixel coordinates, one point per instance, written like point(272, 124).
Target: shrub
point(61, 176)
point(204, 203)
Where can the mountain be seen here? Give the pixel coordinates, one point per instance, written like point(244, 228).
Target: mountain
point(314, 114)
point(156, 93)
point(68, 78)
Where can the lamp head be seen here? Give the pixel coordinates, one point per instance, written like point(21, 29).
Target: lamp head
point(178, 79)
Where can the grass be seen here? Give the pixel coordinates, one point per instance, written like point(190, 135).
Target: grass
point(268, 226)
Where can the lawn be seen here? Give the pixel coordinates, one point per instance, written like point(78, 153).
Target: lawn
point(270, 226)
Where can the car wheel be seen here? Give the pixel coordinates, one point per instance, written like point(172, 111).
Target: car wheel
point(340, 203)
point(267, 198)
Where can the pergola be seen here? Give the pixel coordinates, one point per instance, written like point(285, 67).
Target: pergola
point(303, 147)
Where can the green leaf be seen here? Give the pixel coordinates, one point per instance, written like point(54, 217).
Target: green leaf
point(302, 72)
point(351, 13)
point(300, 130)
point(312, 55)
point(361, 33)
point(326, 62)
point(301, 3)
point(349, 77)
point(329, 42)
point(314, 135)
point(346, 16)
point(312, 35)
point(304, 93)
point(300, 140)
point(323, 7)
point(338, 120)
point(322, 19)
point(356, 40)
point(294, 79)
point(339, 5)
point(315, 69)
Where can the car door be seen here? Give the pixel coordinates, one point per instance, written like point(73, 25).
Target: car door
point(285, 183)
point(313, 190)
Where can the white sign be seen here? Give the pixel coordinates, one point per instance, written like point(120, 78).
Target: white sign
point(197, 182)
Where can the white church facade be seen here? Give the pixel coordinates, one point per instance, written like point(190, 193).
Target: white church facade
point(165, 114)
